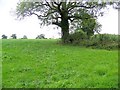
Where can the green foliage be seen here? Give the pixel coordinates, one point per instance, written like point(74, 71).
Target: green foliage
point(88, 26)
point(102, 41)
point(45, 64)
point(77, 37)
point(106, 41)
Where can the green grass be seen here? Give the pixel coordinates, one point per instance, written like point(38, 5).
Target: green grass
point(46, 64)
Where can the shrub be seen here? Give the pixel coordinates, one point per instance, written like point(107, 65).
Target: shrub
point(77, 37)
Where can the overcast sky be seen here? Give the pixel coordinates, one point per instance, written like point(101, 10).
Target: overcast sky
point(30, 25)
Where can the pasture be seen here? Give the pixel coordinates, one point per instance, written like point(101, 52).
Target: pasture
point(47, 64)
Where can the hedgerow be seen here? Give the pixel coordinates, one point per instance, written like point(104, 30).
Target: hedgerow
point(102, 41)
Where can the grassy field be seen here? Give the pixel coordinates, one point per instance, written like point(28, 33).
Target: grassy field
point(46, 64)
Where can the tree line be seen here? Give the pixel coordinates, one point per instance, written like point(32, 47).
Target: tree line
point(14, 36)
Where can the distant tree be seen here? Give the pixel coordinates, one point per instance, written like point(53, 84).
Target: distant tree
point(41, 36)
point(24, 37)
point(4, 36)
point(14, 36)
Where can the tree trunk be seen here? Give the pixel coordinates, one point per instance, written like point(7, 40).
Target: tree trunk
point(64, 24)
point(65, 30)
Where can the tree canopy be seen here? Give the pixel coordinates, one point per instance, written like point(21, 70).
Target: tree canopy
point(14, 36)
point(63, 14)
point(4, 36)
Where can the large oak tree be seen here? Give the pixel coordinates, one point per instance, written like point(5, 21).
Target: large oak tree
point(63, 14)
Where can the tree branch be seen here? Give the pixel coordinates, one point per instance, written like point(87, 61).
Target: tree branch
point(82, 6)
point(56, 23)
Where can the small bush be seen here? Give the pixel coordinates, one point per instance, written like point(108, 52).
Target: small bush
point(77, 37)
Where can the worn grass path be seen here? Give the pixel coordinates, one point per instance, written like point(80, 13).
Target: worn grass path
point(46, 64)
